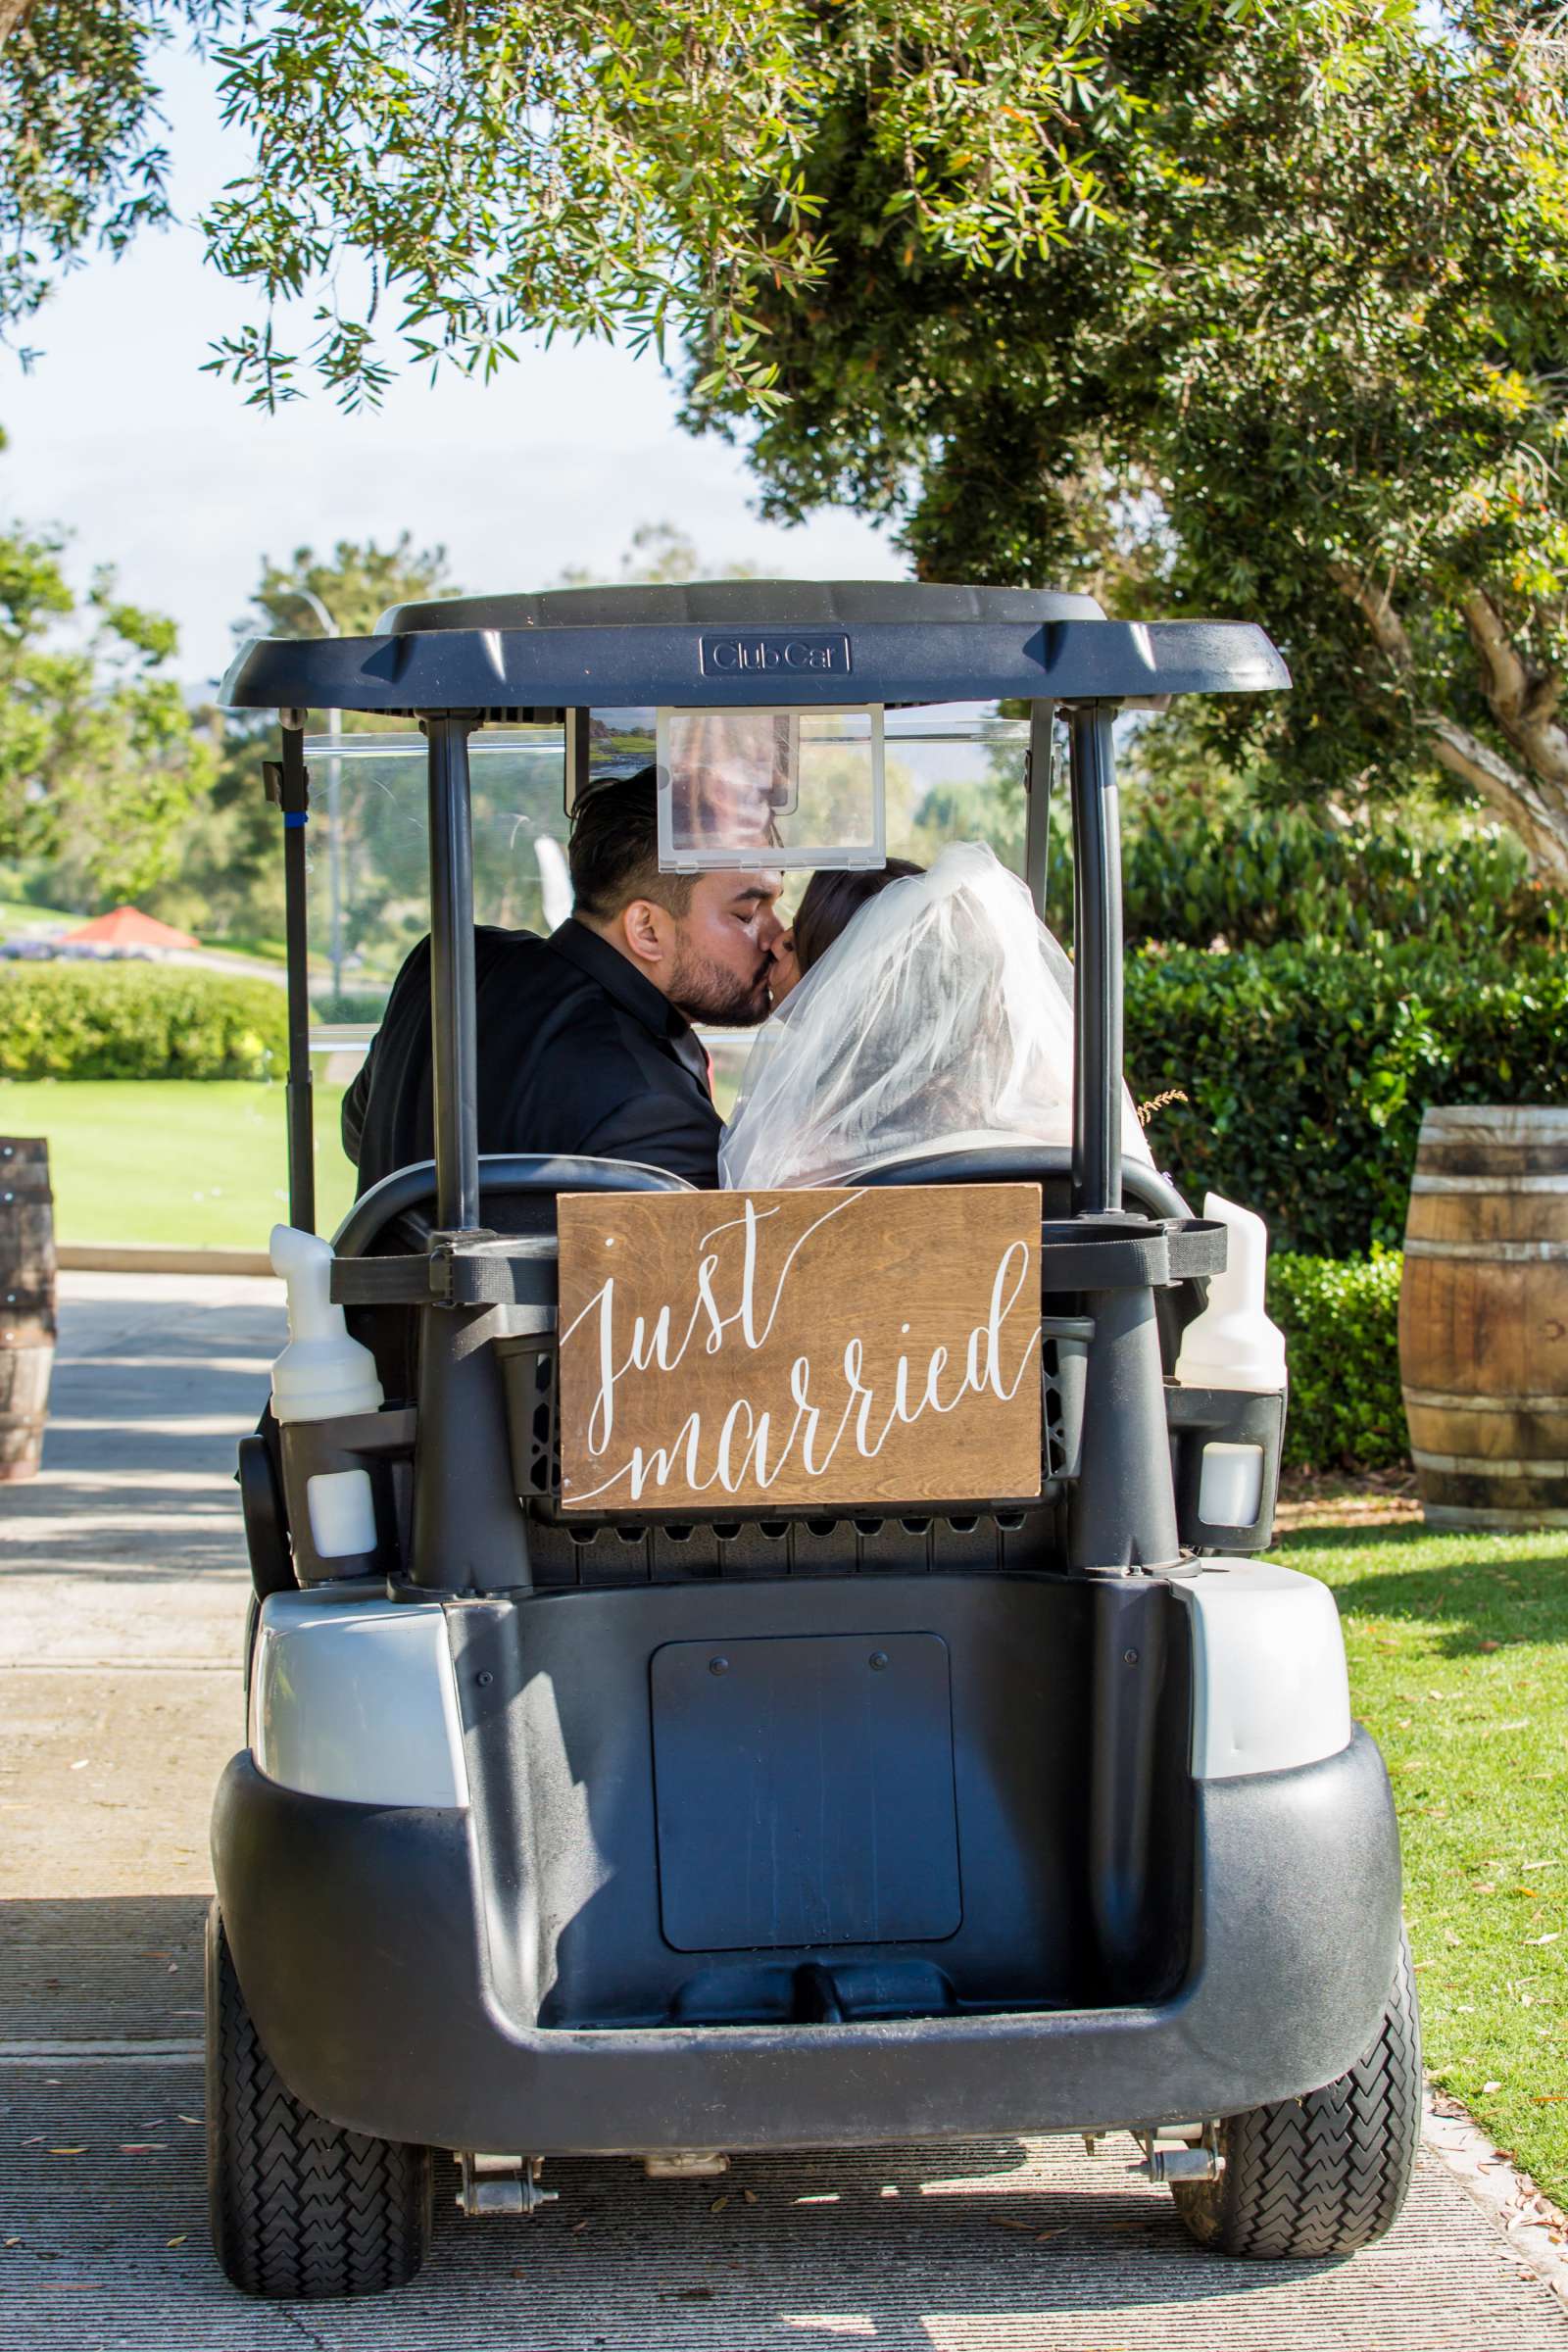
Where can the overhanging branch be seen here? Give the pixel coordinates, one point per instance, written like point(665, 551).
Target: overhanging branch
point(1523, 700)
point(1530, 792)
point(1377, 608)
point(1504, 788)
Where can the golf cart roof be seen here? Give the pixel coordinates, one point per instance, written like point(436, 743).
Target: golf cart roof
point(740, 642)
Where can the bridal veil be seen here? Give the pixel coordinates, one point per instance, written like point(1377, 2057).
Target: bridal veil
point(941, 1017)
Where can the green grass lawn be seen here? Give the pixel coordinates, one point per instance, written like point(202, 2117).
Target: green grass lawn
point(1458, 1651)
point(173, 1161)
point(20, 915)
point(264, 951)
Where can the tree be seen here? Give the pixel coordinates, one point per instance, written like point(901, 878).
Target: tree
point(1256, 308)
point(1304, 364)
point(100, 762)
point(231, 877)
point(660, 552)
point(82, 156)
point(430, 180)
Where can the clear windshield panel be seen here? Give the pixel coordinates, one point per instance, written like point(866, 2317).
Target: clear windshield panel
point(950, 773)
point(955, 771)
point(369, 871)
point(785, 787)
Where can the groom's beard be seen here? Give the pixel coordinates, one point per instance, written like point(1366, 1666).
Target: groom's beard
point(705, 991)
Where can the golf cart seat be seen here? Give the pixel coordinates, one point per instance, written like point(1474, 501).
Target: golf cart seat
point(400, 1211)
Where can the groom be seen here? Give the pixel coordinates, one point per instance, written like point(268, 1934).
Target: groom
point(585, 1042)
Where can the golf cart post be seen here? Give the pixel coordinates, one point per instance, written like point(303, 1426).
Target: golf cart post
point(529, 1853)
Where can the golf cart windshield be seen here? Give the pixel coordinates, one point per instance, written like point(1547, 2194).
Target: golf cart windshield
point(955, 771)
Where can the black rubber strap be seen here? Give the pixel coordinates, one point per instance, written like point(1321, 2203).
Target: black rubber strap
point(508, 1273)
point(1176, 1249)
point(502, 1282)
point(1197, 1247)
point(1126, 1263)
point(380, 1282)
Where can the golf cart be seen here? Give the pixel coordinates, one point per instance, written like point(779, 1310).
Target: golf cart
point(618, 1803)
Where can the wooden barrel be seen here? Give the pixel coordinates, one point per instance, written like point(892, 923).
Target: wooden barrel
point(1484, 1317)
point(27, 1301)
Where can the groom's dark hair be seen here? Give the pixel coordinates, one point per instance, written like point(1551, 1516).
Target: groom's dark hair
point(614, 850)
point(833, 900)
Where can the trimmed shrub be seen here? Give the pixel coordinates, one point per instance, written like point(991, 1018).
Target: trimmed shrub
point(1263, 875)
point(79, 1021)
point(1307, 1068)
point(1340, 1320)
point(1256, 877)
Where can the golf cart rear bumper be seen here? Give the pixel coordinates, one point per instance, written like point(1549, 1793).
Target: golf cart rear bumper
point(357, 1933)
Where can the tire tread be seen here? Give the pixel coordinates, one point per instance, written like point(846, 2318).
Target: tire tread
point(298, 2207)
point(1325, 2173)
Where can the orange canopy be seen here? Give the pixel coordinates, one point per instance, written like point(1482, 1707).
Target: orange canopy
point(129, 927)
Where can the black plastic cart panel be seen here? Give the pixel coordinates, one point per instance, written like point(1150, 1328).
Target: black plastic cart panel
point(805, 1792)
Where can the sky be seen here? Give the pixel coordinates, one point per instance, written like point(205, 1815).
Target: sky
point(116, 437)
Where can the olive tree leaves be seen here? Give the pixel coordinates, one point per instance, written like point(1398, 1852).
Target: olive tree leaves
point(429, 178)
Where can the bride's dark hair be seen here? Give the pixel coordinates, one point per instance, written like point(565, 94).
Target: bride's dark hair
point(832, 900)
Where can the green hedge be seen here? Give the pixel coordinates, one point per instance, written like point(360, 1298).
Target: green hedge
point(1269, 874)
point(1340, 1320)
point(1307, 1068)
point(63, 1020)
point(1257, 876)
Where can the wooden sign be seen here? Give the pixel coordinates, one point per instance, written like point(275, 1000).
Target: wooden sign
point(835, 1347)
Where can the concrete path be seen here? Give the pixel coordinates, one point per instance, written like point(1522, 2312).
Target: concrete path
point(122, 1600)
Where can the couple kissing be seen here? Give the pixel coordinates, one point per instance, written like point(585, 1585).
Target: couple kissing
point(905, 1011)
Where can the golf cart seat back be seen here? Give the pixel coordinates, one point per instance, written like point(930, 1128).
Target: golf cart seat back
point(516, 1187)
point(1049, 1165)
point(517, 1192)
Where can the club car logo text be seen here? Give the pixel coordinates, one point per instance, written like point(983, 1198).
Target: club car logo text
point(761, 653)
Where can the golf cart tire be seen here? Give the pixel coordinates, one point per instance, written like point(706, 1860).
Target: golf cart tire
point(298, 2208)
point(1325, 2173)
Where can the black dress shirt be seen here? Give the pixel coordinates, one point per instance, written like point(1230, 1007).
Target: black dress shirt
point(578, 1053)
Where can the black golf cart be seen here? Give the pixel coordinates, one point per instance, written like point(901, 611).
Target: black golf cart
point(1079, 1837)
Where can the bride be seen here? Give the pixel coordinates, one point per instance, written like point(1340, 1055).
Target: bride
point(917, 1011)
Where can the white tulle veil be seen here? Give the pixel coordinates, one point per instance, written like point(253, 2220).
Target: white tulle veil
point(939, 1017)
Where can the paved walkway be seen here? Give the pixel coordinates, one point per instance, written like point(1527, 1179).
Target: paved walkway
point(122, 1597)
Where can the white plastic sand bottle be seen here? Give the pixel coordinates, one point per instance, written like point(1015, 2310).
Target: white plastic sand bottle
point(1233, 1345)
point(321, 1375)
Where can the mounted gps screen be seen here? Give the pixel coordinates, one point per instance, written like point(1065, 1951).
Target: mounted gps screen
point(771, 787)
